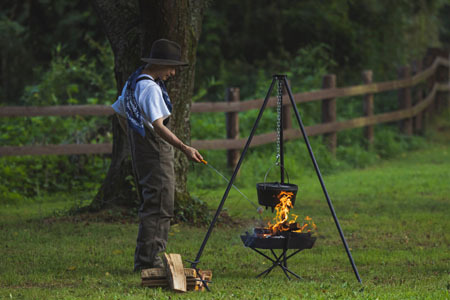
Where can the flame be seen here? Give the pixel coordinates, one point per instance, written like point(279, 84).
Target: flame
point(282, 221)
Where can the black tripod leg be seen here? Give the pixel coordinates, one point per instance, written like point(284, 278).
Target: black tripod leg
point(230, 183)
point(319, 175)
point(204, 281)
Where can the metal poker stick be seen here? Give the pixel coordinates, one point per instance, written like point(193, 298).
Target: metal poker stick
point(282, 78)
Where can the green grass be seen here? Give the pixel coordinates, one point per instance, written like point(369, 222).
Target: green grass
point(394, 215)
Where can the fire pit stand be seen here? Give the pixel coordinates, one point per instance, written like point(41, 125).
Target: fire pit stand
point(282, 81)
point(287, 241)
point(280, 261)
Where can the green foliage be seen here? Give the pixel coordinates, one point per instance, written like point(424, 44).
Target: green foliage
point(75, 81)
point(24, 177)
point(305, 74)
point(29, 32)
point(389, 143)
point(67, 81)
point(192, 210)
point(240, 38)
point(208, 126)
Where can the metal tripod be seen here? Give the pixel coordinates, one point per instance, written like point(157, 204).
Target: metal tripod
point(283, 80)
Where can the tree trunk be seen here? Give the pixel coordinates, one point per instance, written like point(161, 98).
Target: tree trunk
point(132, 27)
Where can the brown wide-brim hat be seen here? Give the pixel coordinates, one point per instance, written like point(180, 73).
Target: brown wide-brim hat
point(165, 52)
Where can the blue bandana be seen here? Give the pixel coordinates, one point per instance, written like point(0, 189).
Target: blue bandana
point(165, 94)
point(134, 116)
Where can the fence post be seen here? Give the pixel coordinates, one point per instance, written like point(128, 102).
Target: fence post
point(232, 125)
point(329, 112)
point(428, 60)
point(368, 108)
point(417, 67)
point(443, 77)
point(447, 81)
point(287, 116)
point(404, 100)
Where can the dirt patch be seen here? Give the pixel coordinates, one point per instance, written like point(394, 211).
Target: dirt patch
point(124, 216)
point(225, 220)
point(120, 216)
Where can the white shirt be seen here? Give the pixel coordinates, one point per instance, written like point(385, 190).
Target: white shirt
point(149, 98)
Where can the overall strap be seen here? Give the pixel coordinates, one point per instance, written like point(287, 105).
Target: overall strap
point(166, 120)
point(143, 78)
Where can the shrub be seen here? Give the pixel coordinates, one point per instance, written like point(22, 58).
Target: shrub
point(78, 81)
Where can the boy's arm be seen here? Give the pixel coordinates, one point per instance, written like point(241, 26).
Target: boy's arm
point(172, 139)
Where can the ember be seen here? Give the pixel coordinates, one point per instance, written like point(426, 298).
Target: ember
point(281, 220)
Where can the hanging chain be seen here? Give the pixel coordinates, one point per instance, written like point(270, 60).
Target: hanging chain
point(279, 96)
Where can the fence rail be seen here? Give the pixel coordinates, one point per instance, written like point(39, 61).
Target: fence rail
point(436, 75)
point(66, 149)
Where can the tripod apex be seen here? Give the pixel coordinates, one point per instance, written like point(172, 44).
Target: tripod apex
point(279, 76)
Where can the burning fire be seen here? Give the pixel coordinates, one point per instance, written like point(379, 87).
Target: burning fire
point(281, 220)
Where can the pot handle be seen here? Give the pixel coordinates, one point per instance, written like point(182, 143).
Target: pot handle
point(276, 164)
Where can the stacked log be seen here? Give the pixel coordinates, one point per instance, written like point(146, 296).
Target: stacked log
point(175, 276)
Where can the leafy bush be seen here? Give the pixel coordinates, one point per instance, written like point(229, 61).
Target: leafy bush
point(74, 81)
point(78, 81)
point(35, 176)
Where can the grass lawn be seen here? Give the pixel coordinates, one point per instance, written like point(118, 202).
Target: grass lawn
point(395, 216)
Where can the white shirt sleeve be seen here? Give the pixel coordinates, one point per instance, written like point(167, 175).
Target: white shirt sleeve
point(119, 105)
point(150, 99)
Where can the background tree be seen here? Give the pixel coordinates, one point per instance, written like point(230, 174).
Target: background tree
point(131, 27)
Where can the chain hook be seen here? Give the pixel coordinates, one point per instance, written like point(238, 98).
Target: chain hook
point(279, 99)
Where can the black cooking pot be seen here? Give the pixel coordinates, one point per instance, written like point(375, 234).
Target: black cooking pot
point(268, 192)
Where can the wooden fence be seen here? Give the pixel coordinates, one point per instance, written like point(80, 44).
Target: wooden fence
point(434, 70)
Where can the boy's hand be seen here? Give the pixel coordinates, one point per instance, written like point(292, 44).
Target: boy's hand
point(192, 154)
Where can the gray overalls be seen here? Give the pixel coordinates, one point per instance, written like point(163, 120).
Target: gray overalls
point(153, 166)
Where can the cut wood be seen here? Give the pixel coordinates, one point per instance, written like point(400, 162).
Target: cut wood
point(155, 273)
point(157, 277)
point(175, 272)
point(205, 275)
point(165, 283)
